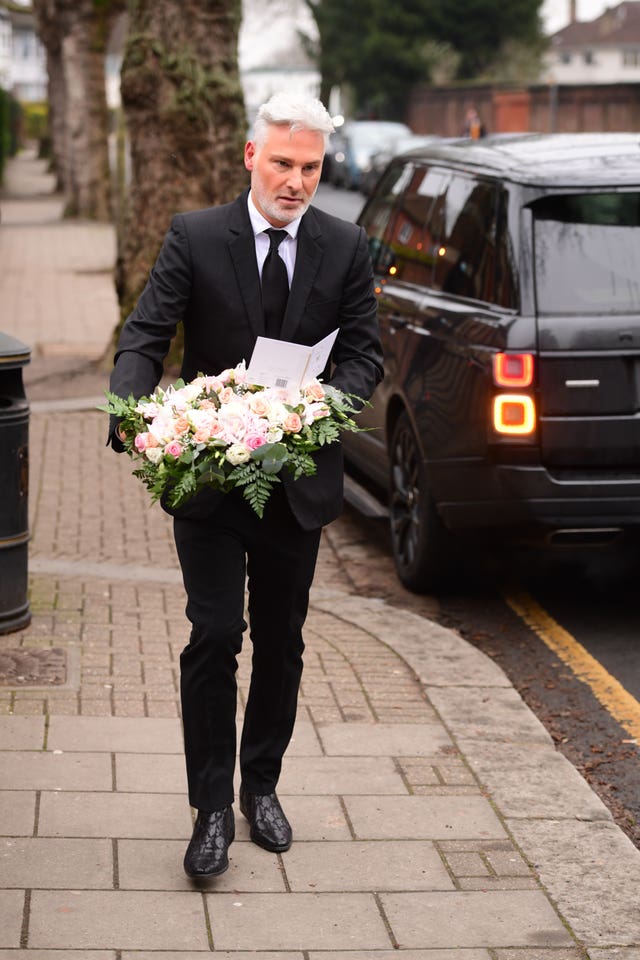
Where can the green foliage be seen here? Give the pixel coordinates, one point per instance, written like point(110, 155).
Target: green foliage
point(256, 486)
point(9, 118)
point(36, 121)
point(380, 50)
point(479, 29)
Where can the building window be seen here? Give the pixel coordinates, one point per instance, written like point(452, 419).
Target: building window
point(588, 57)
point(565, 57)
point(631, 58)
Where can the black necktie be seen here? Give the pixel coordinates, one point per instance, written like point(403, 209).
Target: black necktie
point(275, 285)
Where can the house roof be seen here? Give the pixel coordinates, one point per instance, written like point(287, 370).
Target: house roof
point(617, 26)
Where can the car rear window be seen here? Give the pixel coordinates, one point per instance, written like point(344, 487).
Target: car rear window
point(587, 253)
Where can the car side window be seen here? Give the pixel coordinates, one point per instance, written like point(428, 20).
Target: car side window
point(380, 210)
point(412, 237)
point(466, 261)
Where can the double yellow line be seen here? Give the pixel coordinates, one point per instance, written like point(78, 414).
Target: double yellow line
point(620, 704)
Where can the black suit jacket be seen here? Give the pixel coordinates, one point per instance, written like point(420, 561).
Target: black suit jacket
point(206, 276)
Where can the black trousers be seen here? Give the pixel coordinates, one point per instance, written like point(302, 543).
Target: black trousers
point(217, 554)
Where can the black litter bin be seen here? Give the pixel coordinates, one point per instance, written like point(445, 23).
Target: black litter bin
point(14, 486)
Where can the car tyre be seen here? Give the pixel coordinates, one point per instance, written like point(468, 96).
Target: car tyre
point(424, 552)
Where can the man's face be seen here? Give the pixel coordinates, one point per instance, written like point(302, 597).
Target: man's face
point(285, 172)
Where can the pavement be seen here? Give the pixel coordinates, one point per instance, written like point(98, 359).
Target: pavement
point(433, 817)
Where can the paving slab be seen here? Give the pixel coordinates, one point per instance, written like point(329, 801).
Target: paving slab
point(25, 770)
point(115, 734)
point(296, 921)
point(434, 652)
point(592, 872)
point(11, 910)
point(219, 955)
point(22, 733)
point(117, 919)
point(423, 818)
point(481, 713)
point(55, 955)
point(366, 866)
point(540, 953)
point(157, 865)
point(133, 815)
point(615, 953)
point(49, 863)
point(533, 780)
point(383, 739)
point(17, 813)
point(462, 919)
point(340, 775)
point(404, 955)
point(151, 773)
point(304, 742)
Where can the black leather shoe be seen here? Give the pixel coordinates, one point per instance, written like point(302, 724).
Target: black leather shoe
point(269, 826)
point(206, 854)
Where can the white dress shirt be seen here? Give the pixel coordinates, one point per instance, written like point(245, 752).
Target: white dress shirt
point(288, 246)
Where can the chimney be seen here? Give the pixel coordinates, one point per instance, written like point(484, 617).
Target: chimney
point(572, 11)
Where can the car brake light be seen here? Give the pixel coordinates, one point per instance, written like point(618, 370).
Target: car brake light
point(513, 369)
point(514, 414)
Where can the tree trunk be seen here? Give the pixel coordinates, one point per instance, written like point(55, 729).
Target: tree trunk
point(75, 33)
point(186, 122)
point(49, 32)
point(57, 114)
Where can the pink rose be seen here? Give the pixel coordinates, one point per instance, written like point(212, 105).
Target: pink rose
point(258, 405)
point(180, 425)
point(314, 391)
point(253, 441)
point(202, 434)
point(212, 383)
point(292, 423)
point(173, 449)
point(141, 442)
point(226, 395)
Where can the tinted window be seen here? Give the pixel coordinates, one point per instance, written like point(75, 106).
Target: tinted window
point(378, 212)
point(412, 237)
point(466, 261)
point(587, 255)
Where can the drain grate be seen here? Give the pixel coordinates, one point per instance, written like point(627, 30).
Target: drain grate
point(26, 667)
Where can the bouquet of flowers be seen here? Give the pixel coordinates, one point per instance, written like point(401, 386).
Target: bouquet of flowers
point(224, 432)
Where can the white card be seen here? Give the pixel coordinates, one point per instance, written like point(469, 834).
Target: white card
point(280, 363)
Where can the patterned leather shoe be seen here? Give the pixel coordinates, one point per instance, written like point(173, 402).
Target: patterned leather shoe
point(269, 826)
point(206, 854)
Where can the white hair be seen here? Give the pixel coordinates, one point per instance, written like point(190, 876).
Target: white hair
point(295, 112)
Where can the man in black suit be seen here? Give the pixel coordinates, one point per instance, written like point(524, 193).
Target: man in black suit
point(212, 274)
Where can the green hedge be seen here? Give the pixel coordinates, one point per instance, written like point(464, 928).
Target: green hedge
point(36, 121)
point(9, 126)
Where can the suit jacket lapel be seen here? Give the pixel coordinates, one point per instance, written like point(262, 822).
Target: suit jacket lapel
point(308, 257)
point(242, 248)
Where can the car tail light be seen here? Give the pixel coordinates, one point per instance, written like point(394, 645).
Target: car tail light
point(514, 414)
point(513, 369)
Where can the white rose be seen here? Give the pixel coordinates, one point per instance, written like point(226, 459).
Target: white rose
point(277, 413)
point(237, 453)
point(155, 454)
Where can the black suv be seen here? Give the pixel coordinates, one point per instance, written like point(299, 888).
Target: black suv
point(508, 279)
